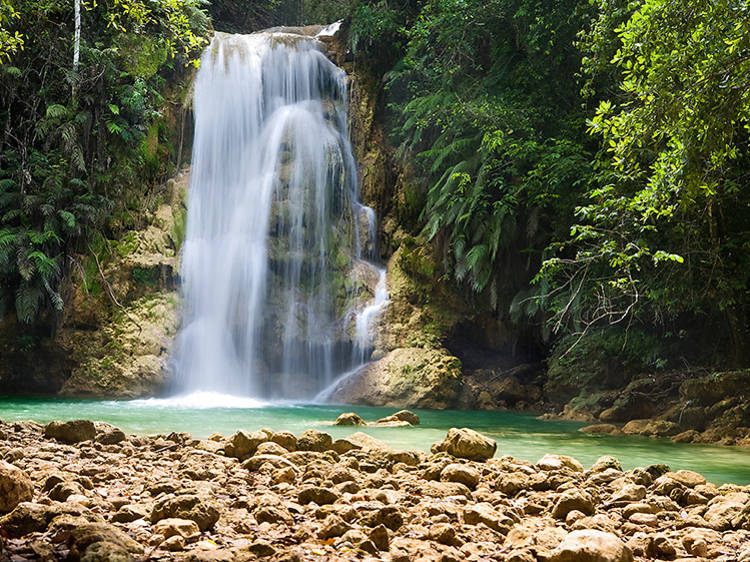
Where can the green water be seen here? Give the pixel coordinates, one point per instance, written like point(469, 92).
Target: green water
point(522, 436)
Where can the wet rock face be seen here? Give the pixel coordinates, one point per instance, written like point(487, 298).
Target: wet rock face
point(179, 498)
point(405, 377)
point(15, 487)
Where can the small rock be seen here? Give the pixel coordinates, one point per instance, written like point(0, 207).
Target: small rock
point(646, 519)
point(262, 548)
point(243, 444)
point(404, 415)
point(687, 478)
point(367, 442)
point(556, 462)
point(661, 548)
point(652, 428)
point(185, 528)
point(107, 434)
point(15, 487)
point(316, 494)
point(332, 527)
point(444, 533)
point(186, 506)
point(270, 448)
point(175, 543)
point(461, 473)
point(380, 538)
point(572, 500)
point(606, 462)
point(630, 493)
point(73, 431)
point(466, 443)
point(485, 513)
point(349, 418)
point(600, 428)
point(591, 546)
point(314, 440)
point(286, 439)
point(130, 512)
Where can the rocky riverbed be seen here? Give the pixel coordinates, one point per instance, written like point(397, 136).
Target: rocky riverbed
point(86, 491)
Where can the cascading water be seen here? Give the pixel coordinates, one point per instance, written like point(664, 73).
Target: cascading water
point(275, 232)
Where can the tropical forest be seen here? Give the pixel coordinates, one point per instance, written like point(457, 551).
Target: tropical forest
point(401, 280)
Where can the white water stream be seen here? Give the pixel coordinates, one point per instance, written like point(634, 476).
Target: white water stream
point(271, 306)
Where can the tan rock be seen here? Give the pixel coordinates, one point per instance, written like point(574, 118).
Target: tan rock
point(185, 528)
point(652, 428)
point(403, 416)
point(556, 462)
point(15, 487)
point(186, 506)
point(462, 473)
point(487, 514)
point(406, 377)
point(349, 418)
point(600, 428)
point(466, 443)
point(591, 546)
point(243, 444)
point(73, 431)
point(314, 440)
point(572, 500)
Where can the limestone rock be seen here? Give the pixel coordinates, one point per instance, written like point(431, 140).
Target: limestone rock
point(333, 526)
point(600, 428)
point(314, 440)
point(349, 418)
point(100, 541)
point(403, 416)
point(366, 442)
point(15, 487)
point(572, 500)
point(591, 546)
point(286, 439)
point(185, 528)
point(606, 462)
point(406, 377)
point(317, 494)
point(651, 428)
point(26, 518)
point(462, 473)
point(186, 506)
point(466, 443)
point(486, 513)
point(73, 431)
point(243, 444)
point(556, 462)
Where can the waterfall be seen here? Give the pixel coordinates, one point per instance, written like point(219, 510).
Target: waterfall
point(273, 306)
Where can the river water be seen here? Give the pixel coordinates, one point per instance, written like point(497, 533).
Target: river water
point(520, 435)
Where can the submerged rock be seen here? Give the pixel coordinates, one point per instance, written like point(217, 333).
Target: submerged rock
point(403, 416)
point(349, 418)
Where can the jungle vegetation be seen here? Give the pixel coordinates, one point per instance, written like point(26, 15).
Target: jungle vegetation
point(582, 165)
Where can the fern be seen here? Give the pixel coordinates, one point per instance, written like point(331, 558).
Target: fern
point(28, 300)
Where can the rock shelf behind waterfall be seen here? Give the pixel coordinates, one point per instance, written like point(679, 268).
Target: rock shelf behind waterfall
point(276, 496)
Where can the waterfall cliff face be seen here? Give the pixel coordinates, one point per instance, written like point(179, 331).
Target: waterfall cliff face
point(273, 304)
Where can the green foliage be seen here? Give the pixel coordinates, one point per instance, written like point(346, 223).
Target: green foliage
point(663, 238)
point(10, 41)
point(486, 101)
point(76, 142)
